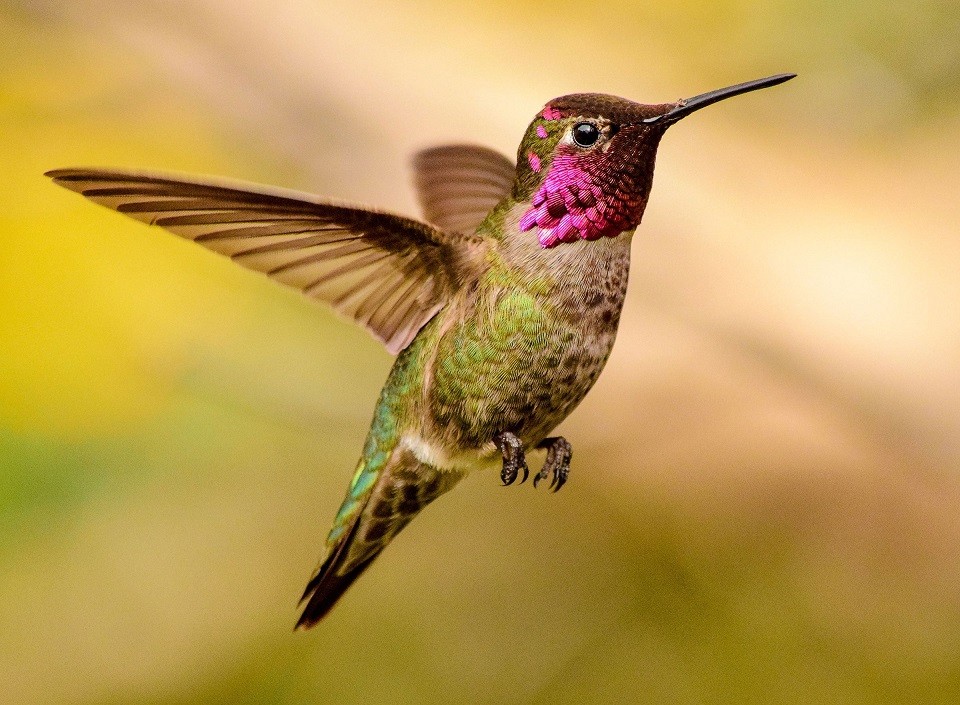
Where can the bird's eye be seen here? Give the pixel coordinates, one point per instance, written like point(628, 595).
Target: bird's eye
point(585, 134)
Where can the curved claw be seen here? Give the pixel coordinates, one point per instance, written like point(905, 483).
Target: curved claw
point(560, 479)
point(557, 464)
point(514, 459)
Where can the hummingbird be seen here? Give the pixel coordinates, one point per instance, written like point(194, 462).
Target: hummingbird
point(502, 305)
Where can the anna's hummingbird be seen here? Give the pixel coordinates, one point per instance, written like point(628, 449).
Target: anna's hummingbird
point(502, 308)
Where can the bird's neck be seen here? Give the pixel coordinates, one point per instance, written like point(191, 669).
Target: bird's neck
point(577, 201)
point(567, 272)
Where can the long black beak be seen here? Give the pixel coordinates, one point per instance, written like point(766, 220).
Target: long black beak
point(685, 107)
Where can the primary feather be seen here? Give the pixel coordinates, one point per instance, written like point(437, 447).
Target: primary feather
point(458, 185)
point(389, 273)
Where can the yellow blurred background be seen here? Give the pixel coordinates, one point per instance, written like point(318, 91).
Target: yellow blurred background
point(765, 499)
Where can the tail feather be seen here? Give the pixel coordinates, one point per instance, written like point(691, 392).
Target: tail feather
point(327, 585)
point(380, 502)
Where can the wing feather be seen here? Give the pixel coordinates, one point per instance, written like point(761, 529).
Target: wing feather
point(389, 273)
point(458, 185)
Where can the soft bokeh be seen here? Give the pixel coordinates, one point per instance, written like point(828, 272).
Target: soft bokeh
point(765, 498)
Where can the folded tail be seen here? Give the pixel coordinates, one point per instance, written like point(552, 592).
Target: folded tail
point(382, 499)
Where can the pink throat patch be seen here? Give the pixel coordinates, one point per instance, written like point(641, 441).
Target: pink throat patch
point(570, 205)
point(551, 113)
point(534, 161)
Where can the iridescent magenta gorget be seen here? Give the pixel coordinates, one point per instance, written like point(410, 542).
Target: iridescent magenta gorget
point(585, 194)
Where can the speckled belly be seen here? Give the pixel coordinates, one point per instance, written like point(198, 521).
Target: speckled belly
point(516, 364)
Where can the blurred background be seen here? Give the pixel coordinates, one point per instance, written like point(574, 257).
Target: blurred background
point(765, 498)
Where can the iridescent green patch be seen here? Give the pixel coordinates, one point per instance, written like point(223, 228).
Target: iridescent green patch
point(346, 509)
point(363, 482)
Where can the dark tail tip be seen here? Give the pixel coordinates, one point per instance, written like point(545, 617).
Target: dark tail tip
point(323, 591)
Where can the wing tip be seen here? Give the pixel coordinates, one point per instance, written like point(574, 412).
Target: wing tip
point(74, 172)
point(63, 174)
point(459, 150)
point(72, 177)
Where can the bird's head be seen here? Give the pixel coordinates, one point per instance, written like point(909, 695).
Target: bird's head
point(586, 162)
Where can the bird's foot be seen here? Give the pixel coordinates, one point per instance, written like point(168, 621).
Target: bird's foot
point(514, 458)
point(557, 463)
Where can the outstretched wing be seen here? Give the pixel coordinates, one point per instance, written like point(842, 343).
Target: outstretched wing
point(459, 184)
point(389, 273)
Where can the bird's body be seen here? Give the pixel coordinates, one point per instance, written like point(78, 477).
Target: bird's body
point(503, 309)
point(516, 351)
point(521, 345)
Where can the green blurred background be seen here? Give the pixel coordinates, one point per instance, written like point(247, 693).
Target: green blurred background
point(765, 499)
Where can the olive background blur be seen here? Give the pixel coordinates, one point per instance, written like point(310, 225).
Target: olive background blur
point(764, 504)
